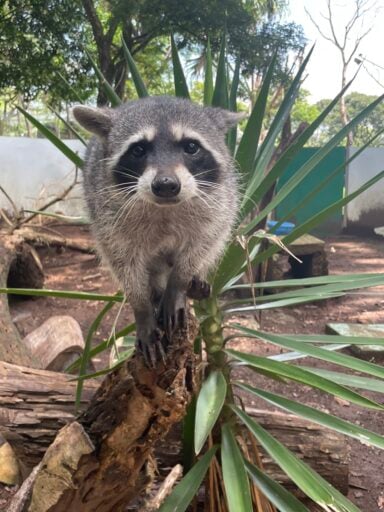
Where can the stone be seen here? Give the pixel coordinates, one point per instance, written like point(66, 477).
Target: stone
point(366, 351)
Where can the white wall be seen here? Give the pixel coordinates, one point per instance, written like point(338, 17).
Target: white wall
point(32, 171)
point(366, 210)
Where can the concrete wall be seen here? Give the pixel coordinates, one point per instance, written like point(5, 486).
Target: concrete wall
point(367, 210)
point(32, 171)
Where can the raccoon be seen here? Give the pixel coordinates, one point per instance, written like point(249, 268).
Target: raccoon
point(162, 195)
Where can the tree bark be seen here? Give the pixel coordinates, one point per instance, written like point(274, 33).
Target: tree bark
point(97, 463)
point(18, 263)
point(35, 404)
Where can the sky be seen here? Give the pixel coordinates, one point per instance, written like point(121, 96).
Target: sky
point(324, 68)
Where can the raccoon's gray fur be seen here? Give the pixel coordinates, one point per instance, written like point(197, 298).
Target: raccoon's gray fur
point(162, 196)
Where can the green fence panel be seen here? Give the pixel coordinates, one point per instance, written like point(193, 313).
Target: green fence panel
point(332, 192)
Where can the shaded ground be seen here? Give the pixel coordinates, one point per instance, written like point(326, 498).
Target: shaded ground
point(72, 270)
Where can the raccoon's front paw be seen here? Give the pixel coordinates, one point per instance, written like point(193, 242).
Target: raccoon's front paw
point(172, 312)
point(151, 344)
point(198, 289)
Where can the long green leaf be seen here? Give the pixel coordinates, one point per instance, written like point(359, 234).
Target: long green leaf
point(188, 435)
point(104, 345)
point(277, 495)
point(220, 93)
point(318, 218)
point(209, 404)
point(249, 143)
point(316, 290)
point(299, 375)
point(324, 355)
point(208, 77)
point(87, 348)
point(75, 93)
point(267, 148)
point(135, 74)
point(186, 490)
point(232, 134)
point(310, 482)
point(309, 413)
point(181, 87)
point(68, 125)
point(332, 339)
point(308, 166)
point(274, 304)
point(353, 381)
point(108, 89)
point(67, 151)
point(62, 293)
point(310, 281)
point(293, 149)
point(235, 477)
point(315, 190)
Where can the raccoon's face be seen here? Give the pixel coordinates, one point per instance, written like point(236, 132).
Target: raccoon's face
point(165, 150)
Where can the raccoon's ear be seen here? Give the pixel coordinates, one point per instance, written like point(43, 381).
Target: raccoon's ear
point(225, 119)
point(95, 120)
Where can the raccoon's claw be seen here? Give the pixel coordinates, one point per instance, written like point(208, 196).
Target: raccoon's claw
point(151, 346)
point(198, 290)
point(172, 314)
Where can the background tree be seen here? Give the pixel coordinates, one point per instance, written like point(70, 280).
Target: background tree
point(355, 102)
point(346, 41)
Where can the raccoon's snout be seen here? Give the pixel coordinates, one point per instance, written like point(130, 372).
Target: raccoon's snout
point(166, 186)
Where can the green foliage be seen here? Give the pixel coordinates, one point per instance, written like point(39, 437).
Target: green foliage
point(38, 39)
point(217, 415)
point(355, 102)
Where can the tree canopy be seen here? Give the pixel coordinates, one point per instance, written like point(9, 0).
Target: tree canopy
point(355, 103)
point(43, 39)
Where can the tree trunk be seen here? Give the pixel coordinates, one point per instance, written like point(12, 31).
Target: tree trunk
point(97, 463)
point(19, 265)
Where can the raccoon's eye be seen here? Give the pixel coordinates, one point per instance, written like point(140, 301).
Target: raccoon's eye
point(191, 147)
point(138, 150)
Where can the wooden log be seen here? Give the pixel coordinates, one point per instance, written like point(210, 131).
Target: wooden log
point(326, 451)
point(97, 463)
point(13, 249)
point(56, 343)
point(35, 404)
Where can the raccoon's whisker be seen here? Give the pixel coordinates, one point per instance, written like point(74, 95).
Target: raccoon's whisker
point(116, 188)
point(206, 171)
point(126, 192)
point(210, 201)
point(207, 184)
point(126, 173)
point(120, 213)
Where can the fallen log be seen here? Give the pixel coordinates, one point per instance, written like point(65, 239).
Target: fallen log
point(36, 404)
point(19, 265)
point(97, 463)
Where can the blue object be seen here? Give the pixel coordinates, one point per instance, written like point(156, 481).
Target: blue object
point(284, 229)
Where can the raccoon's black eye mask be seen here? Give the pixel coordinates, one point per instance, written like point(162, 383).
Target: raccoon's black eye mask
point(132, 163)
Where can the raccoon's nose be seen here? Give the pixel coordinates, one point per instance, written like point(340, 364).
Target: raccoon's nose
point(166, 186)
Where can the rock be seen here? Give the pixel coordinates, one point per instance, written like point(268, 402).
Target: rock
point(367, 352)
point(9, 467)
point(56, 343)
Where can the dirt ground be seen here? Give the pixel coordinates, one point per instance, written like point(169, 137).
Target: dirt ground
point(72, 270)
